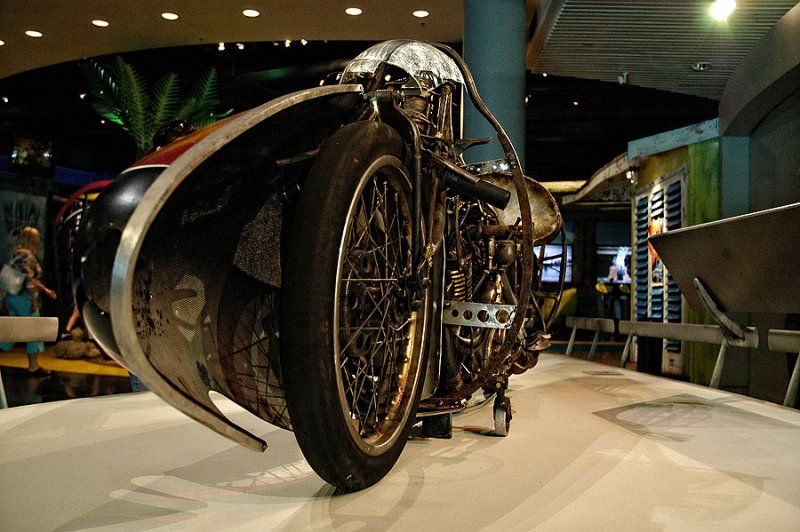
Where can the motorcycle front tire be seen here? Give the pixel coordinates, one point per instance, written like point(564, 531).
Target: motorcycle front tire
point(353, 341)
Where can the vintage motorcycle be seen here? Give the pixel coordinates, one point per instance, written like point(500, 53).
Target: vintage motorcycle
point(330, 263)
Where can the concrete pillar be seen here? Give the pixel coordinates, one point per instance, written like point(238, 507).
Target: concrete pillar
point(494, 49)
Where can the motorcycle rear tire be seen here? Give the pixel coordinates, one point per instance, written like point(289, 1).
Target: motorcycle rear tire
point(353, 351)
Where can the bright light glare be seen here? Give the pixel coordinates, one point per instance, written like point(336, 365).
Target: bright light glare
point(169, 16)
point(33, 33)
point(100, 23)
point(355, 11)
point(420, 13)
point(251, 13)
point(721, 9)
point(2, 43)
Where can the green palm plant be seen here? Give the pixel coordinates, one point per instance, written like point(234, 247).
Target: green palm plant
point(122, 97)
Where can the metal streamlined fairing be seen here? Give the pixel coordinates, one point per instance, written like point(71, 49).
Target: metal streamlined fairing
point(330, 263)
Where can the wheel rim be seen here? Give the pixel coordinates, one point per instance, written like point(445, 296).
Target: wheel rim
point(375, 332)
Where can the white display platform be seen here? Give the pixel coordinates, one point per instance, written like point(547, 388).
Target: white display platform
point(591, 447)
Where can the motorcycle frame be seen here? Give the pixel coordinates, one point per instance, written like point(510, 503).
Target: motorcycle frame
point(387, 104)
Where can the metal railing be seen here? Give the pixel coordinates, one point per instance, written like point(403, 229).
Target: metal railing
point(778, 340)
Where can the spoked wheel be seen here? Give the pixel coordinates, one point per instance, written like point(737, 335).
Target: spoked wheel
point(352, 338)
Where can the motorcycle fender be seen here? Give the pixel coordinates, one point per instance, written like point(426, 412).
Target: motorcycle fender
point(546, 215)
point(195, 278)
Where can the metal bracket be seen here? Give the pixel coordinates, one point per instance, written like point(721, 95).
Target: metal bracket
point(486, 315)
point(733, 331)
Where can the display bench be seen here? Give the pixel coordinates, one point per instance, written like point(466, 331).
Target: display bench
point(590, 447)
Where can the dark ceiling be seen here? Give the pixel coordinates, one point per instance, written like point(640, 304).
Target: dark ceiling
point(584, 46)
point(565, 141)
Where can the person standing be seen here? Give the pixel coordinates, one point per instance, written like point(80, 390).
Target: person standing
point(26, 303)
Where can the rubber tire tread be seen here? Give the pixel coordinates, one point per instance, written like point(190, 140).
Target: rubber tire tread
point(307, 299)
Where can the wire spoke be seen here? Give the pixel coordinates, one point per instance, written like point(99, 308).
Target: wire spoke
point(374, 330)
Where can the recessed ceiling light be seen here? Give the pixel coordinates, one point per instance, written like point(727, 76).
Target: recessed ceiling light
point(169, 16)
point(420, 13)
point(100, 23)
point(576, 103)
point(251, 13)
point(221, 47)
point(33, 33)
point(355, 11)
point(2, 43)
point(722, 9)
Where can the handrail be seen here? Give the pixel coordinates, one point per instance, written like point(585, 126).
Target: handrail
point(28, 329)
point(597, 325)
point(777, 339)
point(690, 332)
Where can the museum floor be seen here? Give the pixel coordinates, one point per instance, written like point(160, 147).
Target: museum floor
point(591, 447)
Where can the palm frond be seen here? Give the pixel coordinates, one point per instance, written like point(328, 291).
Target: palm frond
point(201, 99)
point(165, 99)
point(104, 90)
point(135, 99)
point(121, 96)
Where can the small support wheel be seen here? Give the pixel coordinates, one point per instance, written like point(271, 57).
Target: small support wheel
point(502, 415)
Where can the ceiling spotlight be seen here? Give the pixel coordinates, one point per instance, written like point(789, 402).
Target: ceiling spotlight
point(240, 45)
point(221, 47)
point(5, 99)
point(303, 42)
point(169, 16)
point(576, 103)
point(251, 13)
point(287, 43)
point(702, 66)
point(82, 96)
point(420, 13)
point(2, 43)
point(722, 9)
point(33, 33)
point(100, 23)
point(544, 74)
point(354, 11)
